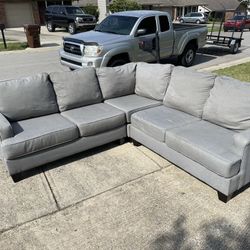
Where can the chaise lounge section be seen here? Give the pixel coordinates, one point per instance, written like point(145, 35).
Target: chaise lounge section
point(198, 121)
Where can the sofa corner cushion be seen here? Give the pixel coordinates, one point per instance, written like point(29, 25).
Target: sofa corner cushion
point(96, 118)
point(229, 104)
point(208, 144)
point(188, 90)
point(157, 120)
point(76, 88)
point(27, 97)
point(37, 134)
point(152, 80)
point(132, 103)
point(117, 81)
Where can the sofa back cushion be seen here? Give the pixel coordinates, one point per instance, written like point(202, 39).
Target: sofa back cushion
point(76, 88)
point(27, 97)
point(117, 81)
point(188, 90)
point(229, 104)
point(152, 80)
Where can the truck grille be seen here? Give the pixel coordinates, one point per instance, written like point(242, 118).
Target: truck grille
point(72, 48)
point(87, 19)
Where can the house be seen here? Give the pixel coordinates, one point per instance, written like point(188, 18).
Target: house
point(174, 7)
point(15, 13)
point(229, 7)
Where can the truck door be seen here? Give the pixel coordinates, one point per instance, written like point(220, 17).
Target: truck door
point(149, 25)
point(166, 37)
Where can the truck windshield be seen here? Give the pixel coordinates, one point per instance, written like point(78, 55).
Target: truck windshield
point(121, 25)
point(74, 11)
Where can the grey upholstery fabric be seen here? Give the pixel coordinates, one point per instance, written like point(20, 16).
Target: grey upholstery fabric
point(208, 144)
point(132, 103)
point(188, 90)
point(229, 104)
point(76, 88)
point(37, 134)
point(27, 98)
point(225, 185)
point(96, 118)
point(63, 150)
point(5, 128)
point(152, 80)
point(117, 81)
point(155, 121)
point(241, 140)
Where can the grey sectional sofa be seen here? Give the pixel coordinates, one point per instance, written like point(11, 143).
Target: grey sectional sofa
point(198, 121)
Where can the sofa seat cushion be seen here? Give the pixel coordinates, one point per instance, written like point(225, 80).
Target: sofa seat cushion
point(37, 134)
point(207, 144)
point(155, 121)
point(132, 103)
point(96, 118)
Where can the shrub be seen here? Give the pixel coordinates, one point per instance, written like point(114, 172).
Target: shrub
point(123, 5)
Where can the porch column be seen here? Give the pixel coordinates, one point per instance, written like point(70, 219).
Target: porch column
point(103, 9)
point(183, 11)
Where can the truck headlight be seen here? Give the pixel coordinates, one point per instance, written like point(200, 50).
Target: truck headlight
point(79, 19)
point(92, 50)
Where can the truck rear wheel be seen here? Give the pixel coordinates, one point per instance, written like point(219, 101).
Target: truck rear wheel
point(187, 57)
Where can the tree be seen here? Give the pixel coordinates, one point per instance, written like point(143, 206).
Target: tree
point(123, 5)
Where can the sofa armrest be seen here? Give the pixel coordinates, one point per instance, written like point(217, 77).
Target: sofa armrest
point(241, 141)
point(5, 128)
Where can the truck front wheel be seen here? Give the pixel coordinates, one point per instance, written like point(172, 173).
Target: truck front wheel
point(187, 57)
point(72, 28)
point(117, 62)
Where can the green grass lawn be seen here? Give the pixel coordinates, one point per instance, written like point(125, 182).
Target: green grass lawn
point(13, 46)
point(241, 72)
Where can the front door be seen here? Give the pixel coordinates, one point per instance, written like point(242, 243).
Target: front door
point(149, 25)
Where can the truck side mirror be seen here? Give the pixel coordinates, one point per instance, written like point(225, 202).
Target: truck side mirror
point(141, 32)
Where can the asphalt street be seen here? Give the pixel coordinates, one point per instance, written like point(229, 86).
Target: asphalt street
point(46, 59)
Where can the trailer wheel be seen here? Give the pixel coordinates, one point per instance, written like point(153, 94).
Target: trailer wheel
point(234, 48)
point(187, 57)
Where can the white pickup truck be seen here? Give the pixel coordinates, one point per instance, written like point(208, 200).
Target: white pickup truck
point(118, 39)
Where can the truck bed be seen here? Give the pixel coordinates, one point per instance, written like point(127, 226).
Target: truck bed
point(184, 26)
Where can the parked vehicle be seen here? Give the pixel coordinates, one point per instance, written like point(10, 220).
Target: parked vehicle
point(120, 36)
point(237, 23)
point(67, 16)
point(220, 39)
point(194, 17)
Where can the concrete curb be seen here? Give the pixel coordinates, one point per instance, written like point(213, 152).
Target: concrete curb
point(225, 65)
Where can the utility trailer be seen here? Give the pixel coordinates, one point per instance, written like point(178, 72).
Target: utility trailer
point(221, 39)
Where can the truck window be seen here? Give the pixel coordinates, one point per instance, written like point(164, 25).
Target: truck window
point(164, 23)
point(149, 24)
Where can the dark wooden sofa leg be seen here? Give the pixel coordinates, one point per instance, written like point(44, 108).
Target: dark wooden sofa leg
point(16, 178)
point(224, 198)
point(136, 143)
point(122, 141)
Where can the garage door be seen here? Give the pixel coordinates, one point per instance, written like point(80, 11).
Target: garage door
point(18, 14)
